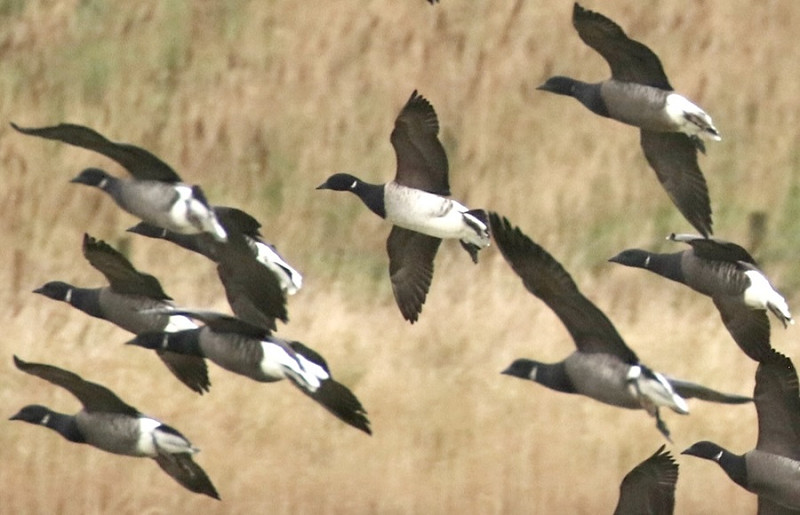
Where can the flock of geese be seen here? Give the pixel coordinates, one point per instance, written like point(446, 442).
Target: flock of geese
point(257, 281)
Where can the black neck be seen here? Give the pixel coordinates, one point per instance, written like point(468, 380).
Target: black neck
point(372, 196)
point(735, 466)
point(554, 376)
point(589, 95)
point(666, 265)
point(87, 300)
point(65, 425)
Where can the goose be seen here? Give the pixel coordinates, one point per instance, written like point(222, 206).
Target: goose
point(291, 281)
point(772, 469)
point(155, 194)
point(649, 487)
point(603, 368)
point(107, 423)
point(253, 288)
point(122, 303)
point(414, 202)
point(252, 351)
point(728, 274)
point(639, 94)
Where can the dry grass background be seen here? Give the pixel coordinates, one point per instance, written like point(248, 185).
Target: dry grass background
point(259, 102)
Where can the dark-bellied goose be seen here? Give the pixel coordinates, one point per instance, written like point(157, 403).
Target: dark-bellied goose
point(252, 351)
point(772, 469)
point(638, 93)
point(155, 194)
point(290, 279)
point(414, 203)
point(107, 423)
point(122, 301)
point(603, 368)
point(729, 275)
point(649, 488)
point(253, 286)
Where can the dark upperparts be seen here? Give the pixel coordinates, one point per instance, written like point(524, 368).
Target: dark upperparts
point(586, 93)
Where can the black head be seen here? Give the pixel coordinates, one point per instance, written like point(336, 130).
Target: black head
point(340, 182)
point(560, 85)
point(632, 257)
point(92, 177)
point(706, 450)
point(522, 368)
point(34, 414)
point(57, 290)
point(146, 229)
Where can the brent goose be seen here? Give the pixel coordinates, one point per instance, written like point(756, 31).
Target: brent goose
point(122, 301)
point(252, 351)
point(107, 423)
point(638, 93)
point(155, 194)
point(772, 469)
point(729, 275)
point(649, 487)
point(231, 218)
point(603, 368)
point(414, 203)
point(256, 279)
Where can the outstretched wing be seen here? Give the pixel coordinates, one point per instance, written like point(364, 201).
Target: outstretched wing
point(421, 160)
point(139, 162)
point(630, 61)
point(543, 276)
point(119, 272)
point(650, 486)
point(93, 396)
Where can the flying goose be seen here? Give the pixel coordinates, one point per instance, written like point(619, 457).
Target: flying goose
point(772, 469)
point(122, 301)
point(649, 487)
point(155, 194)
point(290, 279)
point(729, 275)
point(603, 368)
point(414, 203)
point(107, 423)
point(638, 93)
point(252, 351)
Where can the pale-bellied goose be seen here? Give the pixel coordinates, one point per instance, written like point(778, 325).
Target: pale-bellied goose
point(729, 275)
point(155, 194)
point(603, 368)
point(107, 423)
point(638, 93)
point(414, 203)
point(122, 303)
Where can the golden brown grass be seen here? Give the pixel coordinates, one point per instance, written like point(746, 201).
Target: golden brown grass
point(259, 102)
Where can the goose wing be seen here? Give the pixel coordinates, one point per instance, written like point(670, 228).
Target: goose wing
point(183, 469)
point(673, 156)
point(650, 486)
point(139, 162)
point(777, 399)
point(421, 159)
point(93, 396)
point(411, 257)
point(630, 61)
point(119, 272)
point(544, 277)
